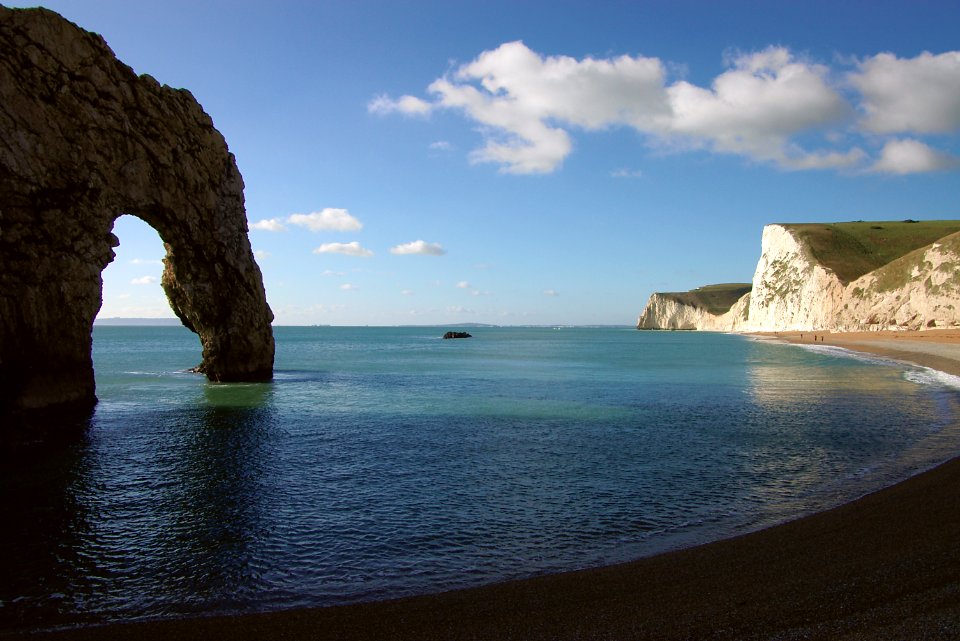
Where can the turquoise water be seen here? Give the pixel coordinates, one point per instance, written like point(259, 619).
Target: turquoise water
point(385, 462)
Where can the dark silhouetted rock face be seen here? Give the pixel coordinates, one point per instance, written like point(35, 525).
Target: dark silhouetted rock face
point(83, 140)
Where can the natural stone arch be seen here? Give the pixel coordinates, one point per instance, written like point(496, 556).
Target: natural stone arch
point(83, 140)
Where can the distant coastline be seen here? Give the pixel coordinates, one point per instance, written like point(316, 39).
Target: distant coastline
point(175, 322)
point(153, 322)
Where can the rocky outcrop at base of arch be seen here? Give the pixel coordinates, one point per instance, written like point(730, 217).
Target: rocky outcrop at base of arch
point(83, 139)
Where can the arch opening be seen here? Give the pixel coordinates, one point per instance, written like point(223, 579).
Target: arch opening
point(131, 287)
point(109, 141)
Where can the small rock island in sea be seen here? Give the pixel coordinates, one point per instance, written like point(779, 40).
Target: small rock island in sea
point(457, 335)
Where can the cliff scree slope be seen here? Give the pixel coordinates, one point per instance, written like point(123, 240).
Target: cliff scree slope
point(83, 140)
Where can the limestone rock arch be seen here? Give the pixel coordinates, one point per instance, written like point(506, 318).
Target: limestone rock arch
point(83, 140)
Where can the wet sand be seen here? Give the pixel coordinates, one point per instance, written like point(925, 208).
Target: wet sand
point(886, 566)
point(936, 348)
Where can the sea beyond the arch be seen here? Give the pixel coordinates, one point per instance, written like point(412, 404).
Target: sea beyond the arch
point(386, 462)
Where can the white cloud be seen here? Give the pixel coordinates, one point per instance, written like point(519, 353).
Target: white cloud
point(407, 105)
point(145, 261)
point(756, 107)
point(330, 272)
point(349, 249)
point(348, 287)
point(441, 145)
point(527, 103)
point(590, 93)
point(551, 292)
point(457, 309)
point(626, 173)
point(419, 247)
point(270, 224)
point(145, 280)
point(463, 285)
point(910, 156)
point(329, 219)
point(516, 91)
point(407, 292)
point(261, 254)
point(918, 95)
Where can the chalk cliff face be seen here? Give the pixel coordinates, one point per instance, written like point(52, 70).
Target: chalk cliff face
point(83, 140)
point(664, 312)
point(793, 291)
point(920, 290)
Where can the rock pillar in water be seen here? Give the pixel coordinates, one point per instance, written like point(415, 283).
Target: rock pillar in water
point(83, 140)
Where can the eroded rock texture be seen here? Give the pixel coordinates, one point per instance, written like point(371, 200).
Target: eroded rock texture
point(83, 139)
point(793, 291)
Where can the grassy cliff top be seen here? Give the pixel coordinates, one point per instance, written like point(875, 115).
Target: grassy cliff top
point(715, 299)
point(854, 249)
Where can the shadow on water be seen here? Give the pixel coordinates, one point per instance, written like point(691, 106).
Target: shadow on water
point(38, 474)
point(136, 514)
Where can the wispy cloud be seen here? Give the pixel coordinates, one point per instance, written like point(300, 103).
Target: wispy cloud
point(463, 285)
point(146, 261)
point(626, 173)
point(270, 224)
point(348, 249)
point(551, 292)
point(418, 247)
point(329, 219)
point(407, 105)
point(441, 145)
point(145, 280)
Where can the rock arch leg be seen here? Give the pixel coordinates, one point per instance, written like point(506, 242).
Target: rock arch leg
point(82, 140)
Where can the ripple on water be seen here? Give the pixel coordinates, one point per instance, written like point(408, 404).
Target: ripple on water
point(383, 462)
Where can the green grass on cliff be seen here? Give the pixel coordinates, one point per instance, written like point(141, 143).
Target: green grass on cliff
point(854, 249)
point(715, 299)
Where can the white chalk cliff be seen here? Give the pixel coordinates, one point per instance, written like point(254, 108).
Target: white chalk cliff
point(794, 291)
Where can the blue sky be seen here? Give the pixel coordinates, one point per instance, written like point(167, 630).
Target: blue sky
point(541, 162)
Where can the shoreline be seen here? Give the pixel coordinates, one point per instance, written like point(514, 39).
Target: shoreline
point(885, 566)
point(937, 349)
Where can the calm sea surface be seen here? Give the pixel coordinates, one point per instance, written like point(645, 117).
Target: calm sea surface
point(384, 462)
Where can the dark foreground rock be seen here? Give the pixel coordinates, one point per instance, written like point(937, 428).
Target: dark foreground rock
point(457, 335)
point(83, 139)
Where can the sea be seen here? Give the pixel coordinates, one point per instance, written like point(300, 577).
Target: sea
point(384, 462)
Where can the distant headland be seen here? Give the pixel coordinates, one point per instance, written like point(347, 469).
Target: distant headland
point(856, 276)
